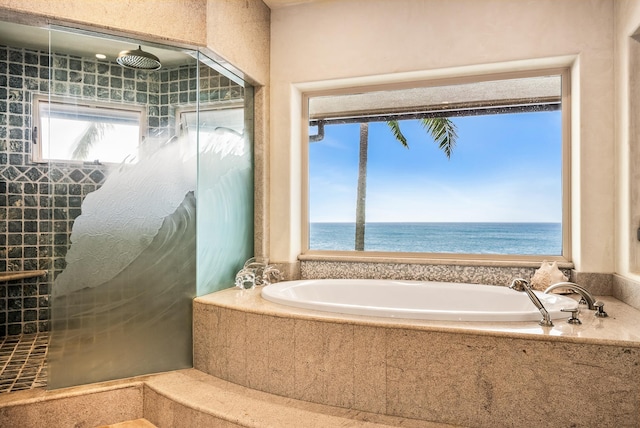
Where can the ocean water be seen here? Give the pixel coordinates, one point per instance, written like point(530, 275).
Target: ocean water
point(462, 238)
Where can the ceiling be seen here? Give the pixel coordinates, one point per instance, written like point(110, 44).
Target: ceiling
point(81, 44)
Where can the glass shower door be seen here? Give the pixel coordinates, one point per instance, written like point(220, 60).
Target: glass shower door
point(126, 253)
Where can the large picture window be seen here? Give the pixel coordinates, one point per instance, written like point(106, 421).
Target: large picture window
point(470, 167)
point(69, 130)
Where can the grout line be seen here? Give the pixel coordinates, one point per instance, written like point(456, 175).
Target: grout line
point(27, 356)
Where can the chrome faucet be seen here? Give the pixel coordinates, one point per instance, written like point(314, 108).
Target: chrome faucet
point(584, 293)
point(520, 284)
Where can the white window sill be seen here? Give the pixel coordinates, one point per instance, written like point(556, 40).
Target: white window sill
point(434, 259)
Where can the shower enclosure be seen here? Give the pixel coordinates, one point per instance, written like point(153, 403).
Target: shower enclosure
point(140, 182)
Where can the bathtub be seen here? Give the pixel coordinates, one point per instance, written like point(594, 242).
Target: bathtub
point(441, 301)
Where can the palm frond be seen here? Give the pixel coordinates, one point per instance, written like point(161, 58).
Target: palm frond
point(84, 143)
point(394, 126)
point(443, 131)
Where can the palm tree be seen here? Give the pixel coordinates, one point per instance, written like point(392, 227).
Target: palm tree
point(92, 134)
point(362, 185)
point(441, 129)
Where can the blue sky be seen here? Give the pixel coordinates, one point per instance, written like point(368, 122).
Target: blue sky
point(504, 168)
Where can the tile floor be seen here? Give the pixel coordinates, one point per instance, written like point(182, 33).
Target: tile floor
point(23, 362)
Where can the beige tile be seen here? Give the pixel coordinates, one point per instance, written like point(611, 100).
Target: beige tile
point(166, 412)
point(599, 284)
point(217, 403)
point(463, 374)
point(137, 423)
point(88, 409)
point(235, 331)
point(205, 420)
point(339, 364)
point(370, 348)
point(310, 372)
point(473, 380)
point(281, 359)
point(220, 338)
point(155, 410)
point(626, 290)
point(205, 322)
point(258, 356)
point(183, 415)
point(429, 376)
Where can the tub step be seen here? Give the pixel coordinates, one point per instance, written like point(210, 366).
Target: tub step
point(193, 398)
point(136, 423)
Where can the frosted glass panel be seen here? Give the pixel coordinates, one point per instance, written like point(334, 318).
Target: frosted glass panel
point(122, 305)
point(225, 194)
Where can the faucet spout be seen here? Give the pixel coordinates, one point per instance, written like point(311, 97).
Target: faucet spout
point(520, 284)
point(583, 292)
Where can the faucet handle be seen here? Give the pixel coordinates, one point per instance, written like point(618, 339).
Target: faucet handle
point(599, 307)
point(574, 315)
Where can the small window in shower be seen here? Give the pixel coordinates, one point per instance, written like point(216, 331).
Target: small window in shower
point(211, 120)
point(70, 131)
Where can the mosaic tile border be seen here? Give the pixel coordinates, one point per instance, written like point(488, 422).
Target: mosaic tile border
point(490, 275)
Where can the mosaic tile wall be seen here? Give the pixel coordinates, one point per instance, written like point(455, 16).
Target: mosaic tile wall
point(416, 272)
point(490, 275)
point(39, 201)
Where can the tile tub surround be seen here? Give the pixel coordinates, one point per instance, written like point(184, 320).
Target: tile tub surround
point(626, 290)
point(469, 374)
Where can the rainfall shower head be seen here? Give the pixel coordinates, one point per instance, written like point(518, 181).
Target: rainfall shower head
point(138, 60)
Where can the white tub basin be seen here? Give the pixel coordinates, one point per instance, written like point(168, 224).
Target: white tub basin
point(416, 299)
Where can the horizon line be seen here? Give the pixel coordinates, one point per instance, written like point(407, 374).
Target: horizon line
point(444, 222)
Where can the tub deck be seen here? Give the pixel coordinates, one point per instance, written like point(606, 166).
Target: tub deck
point(415, 374)
point(458, 373)
point(620, 328)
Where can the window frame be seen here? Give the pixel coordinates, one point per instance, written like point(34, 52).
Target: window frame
point(37, 156)
point(565, 259)
point(219, 105)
